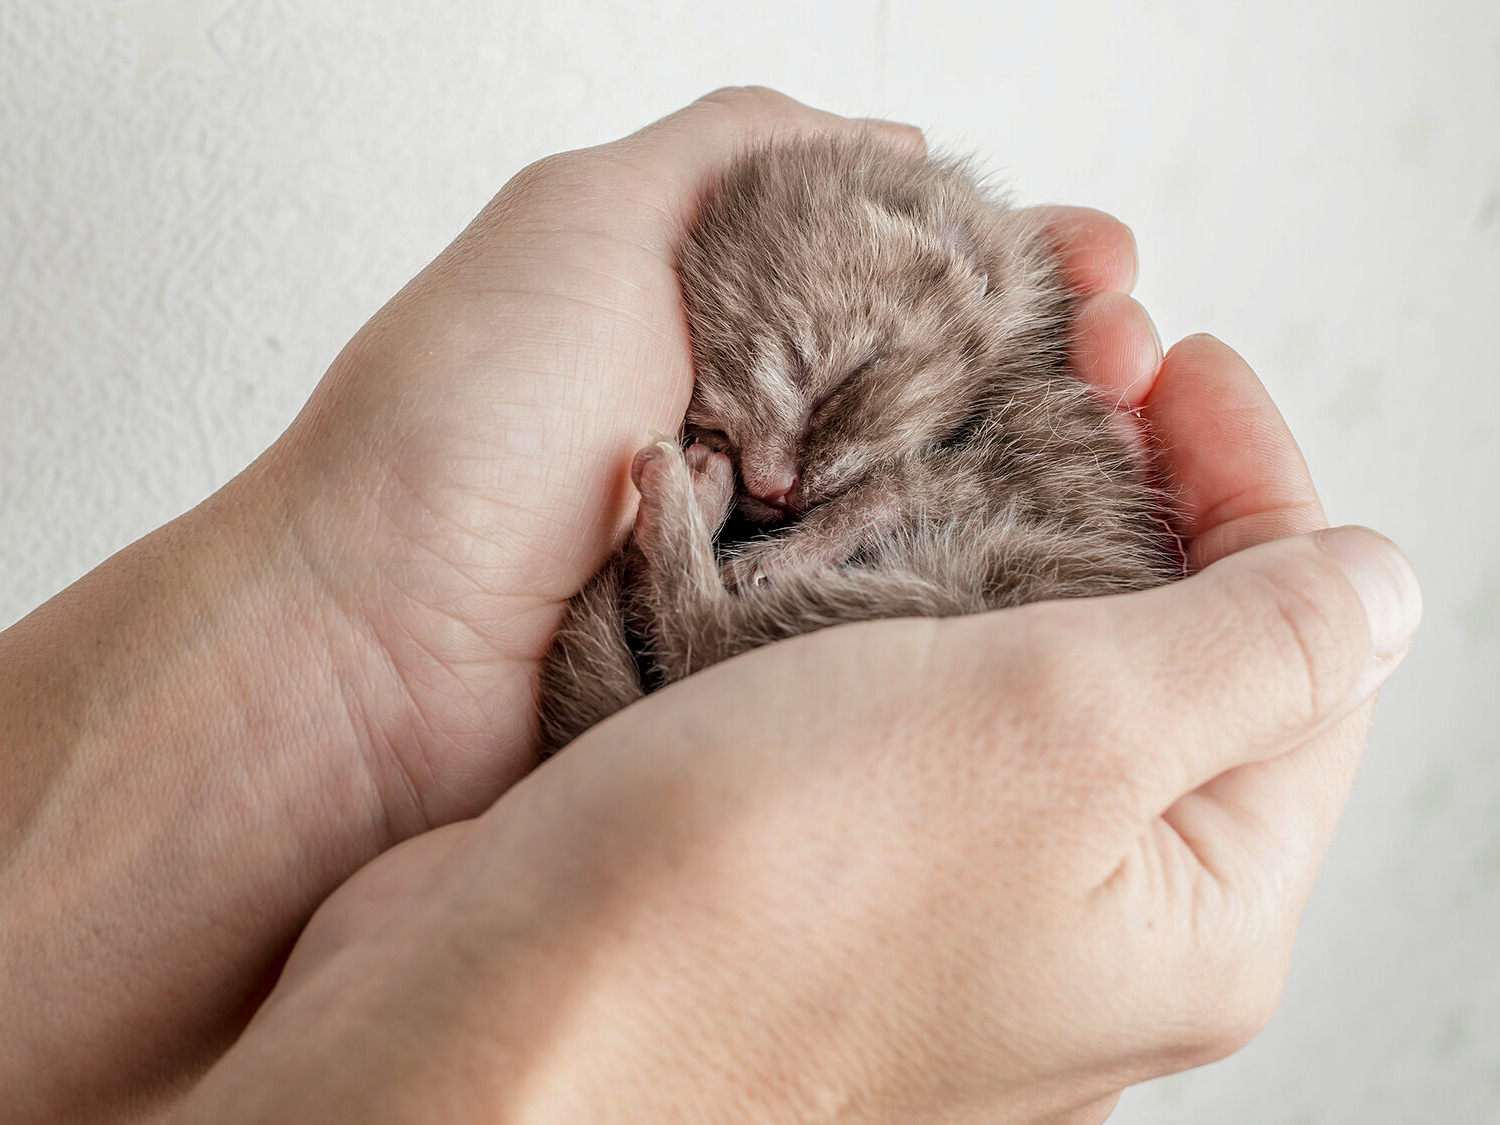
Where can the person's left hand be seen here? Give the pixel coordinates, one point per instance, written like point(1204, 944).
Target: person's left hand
point(991, 867)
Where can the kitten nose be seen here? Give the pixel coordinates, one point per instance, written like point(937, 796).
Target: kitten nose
point(777, 488)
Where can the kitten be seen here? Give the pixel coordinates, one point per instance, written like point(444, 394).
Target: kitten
point(883, 405)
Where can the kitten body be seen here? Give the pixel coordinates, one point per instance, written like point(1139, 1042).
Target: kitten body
point(884, 414)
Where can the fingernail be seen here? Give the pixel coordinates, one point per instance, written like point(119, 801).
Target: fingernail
point(1385, 583)
point(1156, 335)
point(1135, 270)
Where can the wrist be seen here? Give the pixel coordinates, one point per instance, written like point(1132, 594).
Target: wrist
point(176, 797)
point(311, 551)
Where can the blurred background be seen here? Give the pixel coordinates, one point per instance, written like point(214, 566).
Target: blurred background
point(201, 200)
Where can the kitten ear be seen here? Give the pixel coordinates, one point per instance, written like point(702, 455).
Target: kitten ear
point(957, 238)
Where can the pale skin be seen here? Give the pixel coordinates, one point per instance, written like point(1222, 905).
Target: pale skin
point(899, 871)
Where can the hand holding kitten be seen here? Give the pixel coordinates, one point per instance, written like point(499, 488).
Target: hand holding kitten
point(993, 867)
point(345, 641)
point(340, 648)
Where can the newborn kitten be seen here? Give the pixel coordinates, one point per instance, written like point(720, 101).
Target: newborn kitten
point(884, 405)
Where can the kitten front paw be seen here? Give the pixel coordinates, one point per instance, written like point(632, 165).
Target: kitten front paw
point(713, 483)
point(672, 485)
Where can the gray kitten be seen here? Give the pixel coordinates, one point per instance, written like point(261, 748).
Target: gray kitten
point(884, 414)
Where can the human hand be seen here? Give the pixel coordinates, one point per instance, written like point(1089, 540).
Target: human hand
point(463, 468)
point(338, 648)
point(987, 868)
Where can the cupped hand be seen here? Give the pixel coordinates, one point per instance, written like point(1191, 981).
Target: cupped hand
point(463, 468)
point(987, 868)
point(213, 729)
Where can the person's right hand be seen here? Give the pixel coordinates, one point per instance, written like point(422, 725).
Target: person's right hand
point(987, 868)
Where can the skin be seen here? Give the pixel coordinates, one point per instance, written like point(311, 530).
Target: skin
point(209, 733)
point(990, 868)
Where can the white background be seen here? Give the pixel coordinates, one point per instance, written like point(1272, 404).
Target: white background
point(200, 200)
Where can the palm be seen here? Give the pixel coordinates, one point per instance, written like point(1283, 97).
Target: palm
point(511, 395)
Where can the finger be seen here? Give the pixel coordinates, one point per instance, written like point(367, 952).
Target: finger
point(1097, 251)
point(1116, 347)
point(1237, 475)
point(1258, 653)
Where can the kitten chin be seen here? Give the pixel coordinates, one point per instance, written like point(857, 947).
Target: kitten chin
point(762, 515)
point(883, 423)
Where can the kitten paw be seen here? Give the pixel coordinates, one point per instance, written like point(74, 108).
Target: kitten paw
point(661, 476)
point(713, 483)
point(671, 485)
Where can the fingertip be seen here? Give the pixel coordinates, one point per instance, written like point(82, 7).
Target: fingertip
point(1207, 349)
point(1097, 252)
point(1129, 264)
point(1116, 347)
point(1339, 609)
point(1238, 477)
point(1386, 583)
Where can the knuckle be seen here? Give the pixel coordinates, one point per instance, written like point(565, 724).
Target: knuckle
point(1308, 615)
point(748, 109)
point(1313, 618)
point(547, 192)
point(747, 99)
point(528, 187)
point(546, 174)
point(1058, 656)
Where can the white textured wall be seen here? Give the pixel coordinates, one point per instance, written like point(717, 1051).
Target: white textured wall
point(200, 200)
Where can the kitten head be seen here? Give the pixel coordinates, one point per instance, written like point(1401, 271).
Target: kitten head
point(849, 306)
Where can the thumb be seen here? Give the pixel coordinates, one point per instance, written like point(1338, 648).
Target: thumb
point(1265, 648)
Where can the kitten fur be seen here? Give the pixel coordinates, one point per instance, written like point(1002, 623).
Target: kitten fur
point(883, 411)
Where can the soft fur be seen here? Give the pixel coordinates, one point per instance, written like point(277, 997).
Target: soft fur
point(884, 411)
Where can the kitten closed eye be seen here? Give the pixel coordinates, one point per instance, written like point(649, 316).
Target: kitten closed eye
point(879, 349)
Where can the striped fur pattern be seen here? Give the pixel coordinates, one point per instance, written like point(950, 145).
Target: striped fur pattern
point(891, 337)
